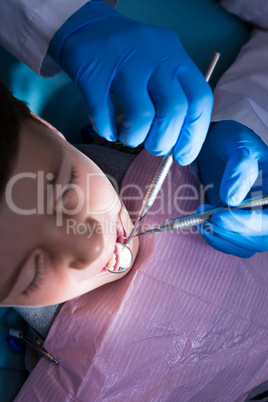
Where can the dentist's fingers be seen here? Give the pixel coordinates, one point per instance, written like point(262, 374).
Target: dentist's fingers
point(236, 231)
point(240, 174)
point(171, 107)
point(214, 240)
point(247, 228)
point(197, 119)
point(137, 108)
point(99, 105)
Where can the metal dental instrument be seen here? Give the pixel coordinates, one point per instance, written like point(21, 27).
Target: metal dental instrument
point(37, 343)
point(125, 259)
point(165, 165)
point(201, 217)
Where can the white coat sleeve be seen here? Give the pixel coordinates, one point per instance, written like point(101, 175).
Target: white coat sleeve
point(241, 93)
point(27, 27)
point(253, 11)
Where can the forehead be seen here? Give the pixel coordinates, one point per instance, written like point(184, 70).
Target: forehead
point(39, 151)
point(39, 147)
point(39, 154)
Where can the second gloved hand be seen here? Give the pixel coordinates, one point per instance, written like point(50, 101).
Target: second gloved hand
point(233, 165)
point(165, 99)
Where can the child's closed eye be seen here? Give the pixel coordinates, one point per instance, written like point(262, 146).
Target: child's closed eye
point(70, 195)
point(39, 261)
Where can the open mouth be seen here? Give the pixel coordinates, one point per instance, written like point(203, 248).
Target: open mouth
point(121, 233)
point(113, 263)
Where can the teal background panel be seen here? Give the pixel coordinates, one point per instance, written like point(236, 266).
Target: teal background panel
point(55, 99)
point(202, 26)
point(12, 369)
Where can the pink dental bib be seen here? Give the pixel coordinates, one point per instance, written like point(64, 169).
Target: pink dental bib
point(187, 323)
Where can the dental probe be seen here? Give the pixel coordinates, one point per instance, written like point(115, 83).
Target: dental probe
point(37, 343)
point(201, 217)
point(165, 165)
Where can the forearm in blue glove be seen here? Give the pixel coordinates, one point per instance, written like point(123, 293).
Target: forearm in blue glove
point(233, 165)
point(164, 97)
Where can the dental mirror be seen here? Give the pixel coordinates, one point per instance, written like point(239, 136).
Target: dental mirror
point(121, 260)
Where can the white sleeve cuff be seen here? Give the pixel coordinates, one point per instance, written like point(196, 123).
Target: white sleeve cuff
point(253, 11)
point(27, 27)
point(241, 93)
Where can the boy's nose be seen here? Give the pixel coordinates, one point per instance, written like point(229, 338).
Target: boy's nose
point(86, 243)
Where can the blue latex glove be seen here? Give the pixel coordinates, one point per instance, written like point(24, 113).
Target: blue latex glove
point(164, 98)
point(234, 162)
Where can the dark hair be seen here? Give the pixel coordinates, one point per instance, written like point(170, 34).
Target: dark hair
point(12, 112)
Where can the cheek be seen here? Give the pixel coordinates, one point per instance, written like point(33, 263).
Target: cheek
point(57, 287)
point(100, 195)
point(65, 285)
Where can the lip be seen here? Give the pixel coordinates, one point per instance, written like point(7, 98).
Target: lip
point(121, 233)
point(120, 238)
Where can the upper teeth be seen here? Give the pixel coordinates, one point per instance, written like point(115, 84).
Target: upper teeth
point(112, 261)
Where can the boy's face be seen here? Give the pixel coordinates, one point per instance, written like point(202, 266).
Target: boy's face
point(55, 241)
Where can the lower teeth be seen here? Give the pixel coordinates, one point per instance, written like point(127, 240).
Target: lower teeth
point(111, 262)
point(124, 254)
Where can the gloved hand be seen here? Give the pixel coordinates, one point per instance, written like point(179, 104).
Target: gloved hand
point(234, 162)
point(164, 98)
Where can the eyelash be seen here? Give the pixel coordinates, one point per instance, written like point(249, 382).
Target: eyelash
point(39, 271)
point(39, 260)
point(73, 179)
